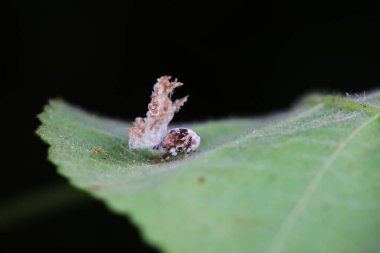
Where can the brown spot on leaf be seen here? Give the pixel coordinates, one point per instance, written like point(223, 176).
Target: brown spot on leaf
point(351, 167)
point(244, 222)
point(201, 180)
point(95, 187)
point(97, 151)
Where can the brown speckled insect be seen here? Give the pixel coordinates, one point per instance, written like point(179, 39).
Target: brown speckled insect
point(151, 132)
point(178, 141)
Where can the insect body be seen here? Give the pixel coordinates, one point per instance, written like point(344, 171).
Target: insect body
point(178, 141)
point(151, 131)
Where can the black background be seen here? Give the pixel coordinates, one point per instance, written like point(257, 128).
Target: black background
point(236, 58)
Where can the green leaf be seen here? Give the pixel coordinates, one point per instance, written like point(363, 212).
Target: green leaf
point(303, 181)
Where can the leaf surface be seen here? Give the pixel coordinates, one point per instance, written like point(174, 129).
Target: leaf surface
point(302, 181)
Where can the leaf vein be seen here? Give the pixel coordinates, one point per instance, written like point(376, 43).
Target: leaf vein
point(285, 228)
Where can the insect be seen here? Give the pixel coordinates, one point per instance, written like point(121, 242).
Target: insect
point(151, 132)
point(178, 141)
